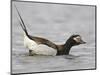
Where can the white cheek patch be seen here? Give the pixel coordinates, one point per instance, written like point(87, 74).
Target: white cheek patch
point(77, 39)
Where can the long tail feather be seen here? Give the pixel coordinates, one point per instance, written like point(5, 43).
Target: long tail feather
point(22, 22)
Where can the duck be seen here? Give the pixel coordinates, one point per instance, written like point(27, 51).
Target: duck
point(43, 46)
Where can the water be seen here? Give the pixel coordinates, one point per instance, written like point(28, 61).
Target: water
point(56, 23)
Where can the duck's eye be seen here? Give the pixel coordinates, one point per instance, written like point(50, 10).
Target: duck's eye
point(77, 39)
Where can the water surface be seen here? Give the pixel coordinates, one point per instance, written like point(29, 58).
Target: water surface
point(56, 23)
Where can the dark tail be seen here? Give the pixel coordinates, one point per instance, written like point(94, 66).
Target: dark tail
point(22, 22)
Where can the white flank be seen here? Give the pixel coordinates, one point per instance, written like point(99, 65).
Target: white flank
point(45, 50)
point(40, 49)
point(30, 44)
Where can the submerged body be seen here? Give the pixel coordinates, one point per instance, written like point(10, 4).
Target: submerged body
point(38, 49)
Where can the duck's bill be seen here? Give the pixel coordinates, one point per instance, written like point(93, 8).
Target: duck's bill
point(82, 42)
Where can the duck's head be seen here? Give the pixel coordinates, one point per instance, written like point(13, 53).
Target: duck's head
point(72, 41)
point(75, 40)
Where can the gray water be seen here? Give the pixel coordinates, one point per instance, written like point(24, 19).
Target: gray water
point(56, 23)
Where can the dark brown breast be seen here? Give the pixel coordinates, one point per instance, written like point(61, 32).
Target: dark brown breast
point(61, 50)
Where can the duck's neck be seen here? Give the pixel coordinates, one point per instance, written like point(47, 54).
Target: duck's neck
point(67, 47)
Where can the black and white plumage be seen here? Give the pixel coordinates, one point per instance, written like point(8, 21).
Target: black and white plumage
point(42, 46)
